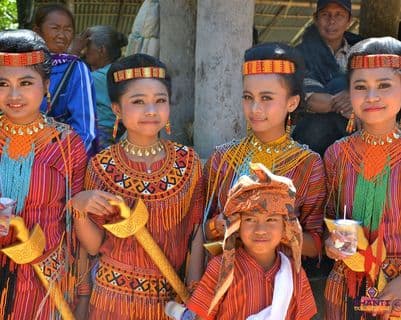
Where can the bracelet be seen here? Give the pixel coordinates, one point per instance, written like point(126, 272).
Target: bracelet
point(212, 228)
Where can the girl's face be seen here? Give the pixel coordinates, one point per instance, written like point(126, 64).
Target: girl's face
point(57, 31)
point(144, 109)
point(261, 233)
point(376, 98)
point(266, 103)
point(21, 93)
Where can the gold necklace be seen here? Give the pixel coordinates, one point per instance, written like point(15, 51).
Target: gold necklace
point(280, 145)
point(23, 129)
point(381, 140)
point(142, 151)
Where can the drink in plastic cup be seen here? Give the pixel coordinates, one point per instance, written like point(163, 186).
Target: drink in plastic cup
point(5, 214)
point(346, 236)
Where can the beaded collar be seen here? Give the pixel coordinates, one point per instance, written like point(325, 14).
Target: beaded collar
point(381, 140)
point(23, 129)
point(278, 146)
point(140, 151)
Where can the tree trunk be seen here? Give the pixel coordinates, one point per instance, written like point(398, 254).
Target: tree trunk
point(177, 50)
point(224, 32)
point(379, 18)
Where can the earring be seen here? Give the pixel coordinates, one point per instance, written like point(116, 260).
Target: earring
point(168, 127)
point(351, 123)
point(48, 101)
point(115, 127)
point(288, 124)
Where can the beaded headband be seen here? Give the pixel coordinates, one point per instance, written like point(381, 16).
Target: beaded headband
point(134, 73)
point(268, 66)
point(21, 59)
point(376, 61)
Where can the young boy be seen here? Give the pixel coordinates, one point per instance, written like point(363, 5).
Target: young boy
point(257, 281)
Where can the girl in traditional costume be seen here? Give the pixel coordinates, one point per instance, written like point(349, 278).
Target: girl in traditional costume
point(363, 176)
point(272, 90)
point(42, 164)
point(141, 168)
point(255, 280)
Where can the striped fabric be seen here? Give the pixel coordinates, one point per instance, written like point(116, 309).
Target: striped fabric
point(341, 181)
point(45, 205)
point(169, 224)
point(250, 292)
point(308, 177)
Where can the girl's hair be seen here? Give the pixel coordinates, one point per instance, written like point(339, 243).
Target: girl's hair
point(43, 11)
point(139, 60)
point(110, 39)
point(20, 41)
point(281, 51)
point(383, 45)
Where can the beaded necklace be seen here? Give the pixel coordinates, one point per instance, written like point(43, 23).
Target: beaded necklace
point(19, 144)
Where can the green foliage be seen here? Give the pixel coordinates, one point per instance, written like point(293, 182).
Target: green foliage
point(8, 14)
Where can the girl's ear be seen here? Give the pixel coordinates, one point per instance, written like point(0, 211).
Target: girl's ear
point(116, 109)
point(293, 103)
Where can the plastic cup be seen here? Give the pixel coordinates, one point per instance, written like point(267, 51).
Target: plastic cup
point(5, 214)
point(346, 236)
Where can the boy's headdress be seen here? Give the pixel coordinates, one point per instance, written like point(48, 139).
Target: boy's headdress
point(261, 192)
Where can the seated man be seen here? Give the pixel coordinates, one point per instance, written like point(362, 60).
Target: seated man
point(325, 46)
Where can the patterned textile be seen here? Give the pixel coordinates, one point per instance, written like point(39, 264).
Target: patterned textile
point(344, 161)
point(21, 292)
point(250, 291)
point(266, 194)
point(303, 166)
point(172, 194)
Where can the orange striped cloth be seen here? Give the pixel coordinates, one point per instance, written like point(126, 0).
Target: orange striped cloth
point(343, 162)
point(173, 197)
point(307, 174)
point(45, 205)
point(250, 292)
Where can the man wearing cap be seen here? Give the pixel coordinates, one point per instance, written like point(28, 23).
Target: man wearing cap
point(325, 46)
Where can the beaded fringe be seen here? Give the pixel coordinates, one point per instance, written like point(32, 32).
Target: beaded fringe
point(105, 305)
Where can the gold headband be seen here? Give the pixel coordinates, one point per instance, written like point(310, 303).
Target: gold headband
point(268, 66)
point(376, 61)
point(21, 59)
point(134, 73)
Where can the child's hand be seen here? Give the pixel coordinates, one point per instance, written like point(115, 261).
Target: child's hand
point(94, 201)
point(331, 248)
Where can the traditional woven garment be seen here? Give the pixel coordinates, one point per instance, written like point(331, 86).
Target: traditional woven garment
point(241, 287)
point(54, 160)
point(364, 176)
point(283, 157)
point(251, 290)
point(128, 285)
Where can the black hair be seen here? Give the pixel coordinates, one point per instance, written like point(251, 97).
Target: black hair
point(139, 60)
point(383, 45)
point(19, 41)
point(43, 11)
point(281, 51)
point(110, 39)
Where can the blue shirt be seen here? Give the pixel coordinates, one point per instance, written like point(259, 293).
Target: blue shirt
point(75, 104)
